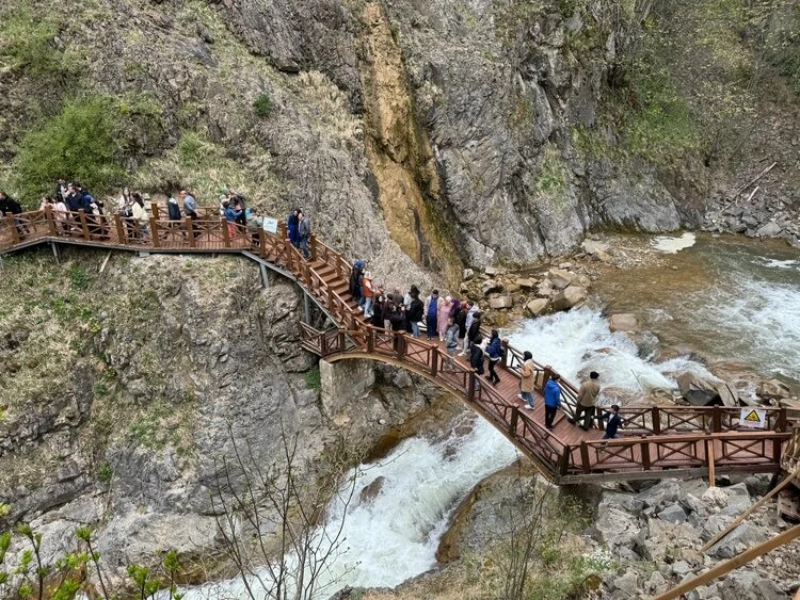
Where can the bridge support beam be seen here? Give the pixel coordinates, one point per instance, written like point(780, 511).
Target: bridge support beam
point(56, 251)
point(340, 382)
point(264, 277)
point(306, 309)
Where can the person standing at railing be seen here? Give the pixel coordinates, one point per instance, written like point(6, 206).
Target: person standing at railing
point(414, 312)
point(378, 310)
point(231, 215)
point(470, 309)
point(189, 205)
point(587, 396)
point(140, 216)
point(451, 342)
point(432, 314)
point(442, 316)
point(60, 214)
point(368, 291)
point(552, 400)
point(61, 189)
point(303, 233)
point(9, 206)
point(614, 422)
point(527, 373)
point(476, 357)
point(356, 282)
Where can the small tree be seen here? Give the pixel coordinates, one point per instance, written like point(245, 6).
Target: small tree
point(274, 519)
point(263, 106)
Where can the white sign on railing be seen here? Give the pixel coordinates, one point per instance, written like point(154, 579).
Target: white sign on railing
point(754, 418)
point(270, 225)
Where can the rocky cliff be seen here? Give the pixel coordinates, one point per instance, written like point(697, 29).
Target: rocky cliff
point(122, 394)
point(432, 133)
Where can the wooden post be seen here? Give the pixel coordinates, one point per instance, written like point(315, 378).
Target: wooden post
point(563, 461)
point(12, 226)
point(504, 357)
point(434, 360)
point(306, 309)
point(262, 243)
point(190, 232)
point(370, 339)
point(226, 238)
point(154, 232)
point(712, 473)
point(747, 513)
point(154, 209)
point(471, 386)
point(512, 426)
point(282, 233)
point(645, 448)
point(716, 420)
point(338, 263)
point(734, 563)
point(585, 460)
point(51, 224)
point(313, 247)
point(329, 297)
point(84, 225)
point(342, 341)
point(656, 415)
point(121, 238)
point(782, 421)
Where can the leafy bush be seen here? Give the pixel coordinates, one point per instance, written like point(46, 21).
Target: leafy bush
point(263, 106)
point(80, 144)
point(105, 473)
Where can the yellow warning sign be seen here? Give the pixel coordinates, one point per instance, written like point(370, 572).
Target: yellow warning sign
point(754, 418)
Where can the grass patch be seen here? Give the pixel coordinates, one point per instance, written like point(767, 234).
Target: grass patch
point(313, 379)
point(263, 106)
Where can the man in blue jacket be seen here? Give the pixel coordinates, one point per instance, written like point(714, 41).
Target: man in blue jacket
point(552, 400)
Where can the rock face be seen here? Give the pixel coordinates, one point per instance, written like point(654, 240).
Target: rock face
point(184, 356)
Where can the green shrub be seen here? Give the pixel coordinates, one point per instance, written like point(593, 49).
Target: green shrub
point(263, 106)
point(313, 380)
point(80, 144)
point(105, 473)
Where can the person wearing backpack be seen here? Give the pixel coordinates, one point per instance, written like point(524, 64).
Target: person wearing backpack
point(495, 352)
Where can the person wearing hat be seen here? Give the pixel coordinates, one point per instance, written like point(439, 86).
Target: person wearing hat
point(587, 396)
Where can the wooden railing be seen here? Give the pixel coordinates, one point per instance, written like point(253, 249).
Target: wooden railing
point(655, 439)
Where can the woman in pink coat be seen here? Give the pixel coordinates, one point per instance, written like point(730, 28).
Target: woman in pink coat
point(442, 314)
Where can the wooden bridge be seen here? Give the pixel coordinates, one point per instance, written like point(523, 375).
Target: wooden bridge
point(655, 442)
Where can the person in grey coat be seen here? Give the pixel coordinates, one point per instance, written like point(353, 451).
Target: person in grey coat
point(304, 233)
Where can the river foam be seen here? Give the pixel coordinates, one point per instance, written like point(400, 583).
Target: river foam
point(672, 245)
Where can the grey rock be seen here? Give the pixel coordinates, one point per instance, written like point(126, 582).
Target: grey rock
point(619, 531)
point(673, 513)
point(769, 230)
point(681, 569)
point(559, 278)
point(569, 298)
point(629, 583)
point(750, 585)
point(500, 301)
point(468, 274)
point(490, 286)
point(662, 493)
point(623, 322)
point(736, 541)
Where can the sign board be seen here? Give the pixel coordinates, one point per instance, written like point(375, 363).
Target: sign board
point(270, 225)
point(754, 418)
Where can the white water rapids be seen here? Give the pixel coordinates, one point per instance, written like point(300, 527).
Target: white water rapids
point(395, 536)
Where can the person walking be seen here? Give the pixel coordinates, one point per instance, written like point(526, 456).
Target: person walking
point(471, 310)
point(495, 352)
point(140, 217)
point(189, 205)
point(414, 312)
point(292, 224)
point(367, 292)
point(451, 342)
point(442, 316)
point(303, 233)
point(432, 315)
point(614, 422)
point(461, 321)
point(587, 396)
point(552, 400)
point(527, 380)
point(378, 308)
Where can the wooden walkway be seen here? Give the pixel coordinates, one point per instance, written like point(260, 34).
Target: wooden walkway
point(656, 442)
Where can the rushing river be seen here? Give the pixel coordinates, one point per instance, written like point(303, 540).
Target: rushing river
point(733, 299)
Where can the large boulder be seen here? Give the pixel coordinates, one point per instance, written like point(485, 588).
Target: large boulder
point(773, 389)
point(490, 286)
point(536, 307)
point(570, 298)
point(500, 301)
point(559, 278)
point(620, 531)
point(626, 322)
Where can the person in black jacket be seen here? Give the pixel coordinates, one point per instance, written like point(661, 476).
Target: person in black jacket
point(475, 329)
point(476, 357)
point(378, 311)
point(461, 321)
point(9, 206)
point(415, 313)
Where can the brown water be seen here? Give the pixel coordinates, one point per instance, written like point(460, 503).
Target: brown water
point(729, 298)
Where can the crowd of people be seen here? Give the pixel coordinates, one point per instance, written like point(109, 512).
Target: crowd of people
point(458, 324)
point(447, 318)
point(69, 199)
